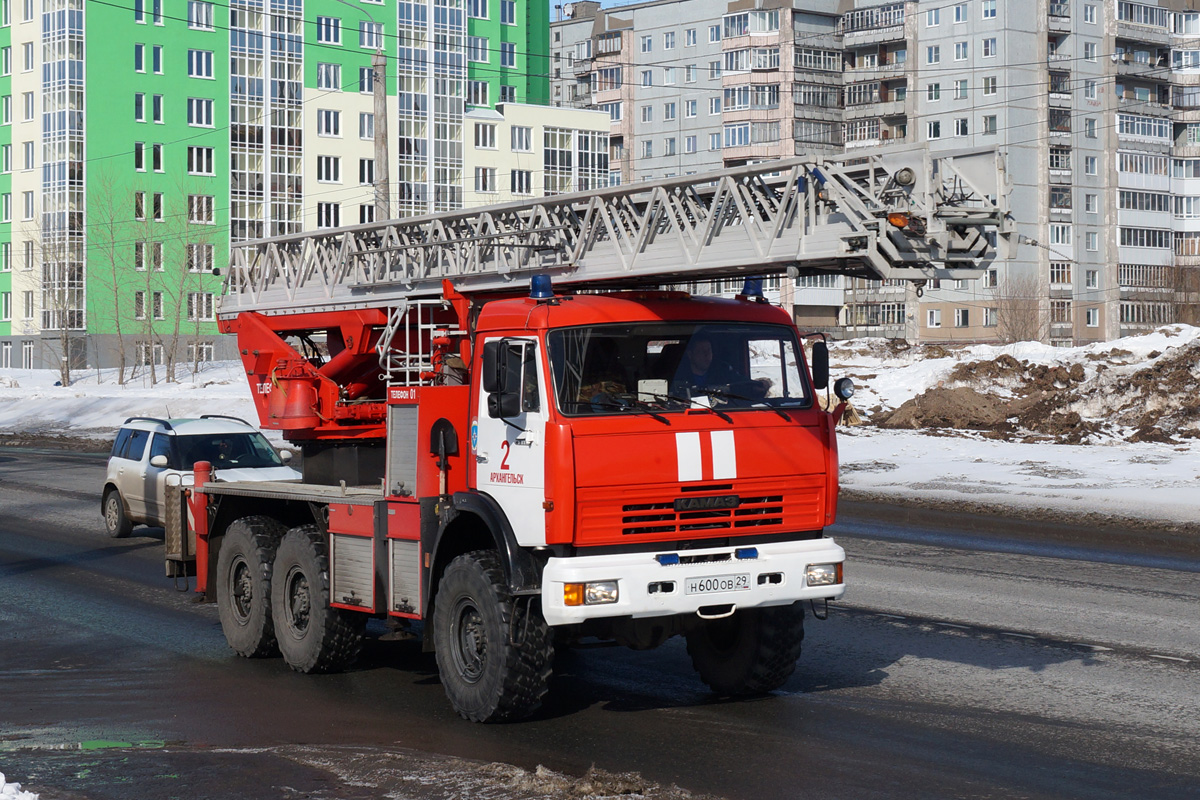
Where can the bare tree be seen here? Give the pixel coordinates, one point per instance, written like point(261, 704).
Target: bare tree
point(111, 230)
point(1020, 312)
point(1186, 281)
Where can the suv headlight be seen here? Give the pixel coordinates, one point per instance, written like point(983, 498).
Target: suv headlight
point(823, 574)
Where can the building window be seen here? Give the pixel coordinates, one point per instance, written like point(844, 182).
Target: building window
point(647, 44)
point(485, 136)
point(329, 169)
point(962, 317)
point(714, 34)
point(689, 144)
point(477, 93)
point(329, 215)
point(1089, 203)
point(508, 12)
point(366, 125)
point(669, 40)
point(200, 112)
point(200, 15)
point(933, 54)
point(933, 130)
point(989, 47)
point(329, 30)
point(370, 34)
point(329, 122)
point(989, 9)
point(668, 147)
point(508, 94)
point(668, 112)
point(508, 54)
point(960, 127)
point(200, 161)
point(522, 139)
point(139, 58)
point(139, 156)
point(714, 141)
point(1089, 14)
point(1060, 273)
point(485, 180)
point(689, 37)
point(366, 213)
point(477, 49)
point(1060, 312)
point(647, 77)
point(1089, 165)
point(200, 307)
point(156, 108)
point(668, 76)
point(200, 209)
point(1091, 278)
point(477, 9)
point(366, 171)
point(960, 13)
point(1092, 315)
point(522, 181)
point(689, 108)
point(139, 107)
point(1092, 241)
point(1060, 234)
point(647, 149)
point(933, 17)
point(933, 92)
point(156, 59)
point(1089, 51)
point(714, 105)
point(329, 76)
point(933, 318)
point(960, 90)
point(156, 305)
point(200, 64)
point(960, 51)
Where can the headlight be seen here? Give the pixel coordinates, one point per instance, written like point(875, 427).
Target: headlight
point(590, 594)
point(844, 388)
point(823, 574)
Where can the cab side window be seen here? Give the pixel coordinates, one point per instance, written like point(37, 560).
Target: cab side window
point(161, 446)
point(135, 447)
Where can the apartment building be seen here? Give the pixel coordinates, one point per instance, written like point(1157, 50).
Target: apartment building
point(1093, 104)
point(139, 140)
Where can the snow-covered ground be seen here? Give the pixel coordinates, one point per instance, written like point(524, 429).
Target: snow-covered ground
point(1008, 466)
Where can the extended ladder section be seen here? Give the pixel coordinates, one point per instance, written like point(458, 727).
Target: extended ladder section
point(901, 215)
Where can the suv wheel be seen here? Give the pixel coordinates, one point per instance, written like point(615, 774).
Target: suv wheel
point(115, 521)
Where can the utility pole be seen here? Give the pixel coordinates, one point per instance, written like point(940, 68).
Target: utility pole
point(383, 208)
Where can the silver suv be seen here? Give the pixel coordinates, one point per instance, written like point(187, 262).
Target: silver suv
point(147, 451)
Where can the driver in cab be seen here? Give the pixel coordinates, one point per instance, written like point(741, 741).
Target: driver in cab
point(699, 372)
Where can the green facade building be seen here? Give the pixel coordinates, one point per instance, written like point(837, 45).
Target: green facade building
point(140, 140)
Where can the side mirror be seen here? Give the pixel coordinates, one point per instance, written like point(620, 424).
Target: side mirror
point(492, 378)
point(820, 365)
point(158, 461)
point(285, 456)
point(503, 405)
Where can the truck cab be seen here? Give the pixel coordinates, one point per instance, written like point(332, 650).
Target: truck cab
point(666, 453)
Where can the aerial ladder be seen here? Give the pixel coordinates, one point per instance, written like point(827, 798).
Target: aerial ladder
point(518, 433)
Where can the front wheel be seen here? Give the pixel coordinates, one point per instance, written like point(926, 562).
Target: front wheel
point(494, 651)
point(313, 636)
point(115, 521)
point(751, 652)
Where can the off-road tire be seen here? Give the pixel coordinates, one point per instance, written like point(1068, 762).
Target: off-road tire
point(115, 521)
point(751, 652)
point(313, 636)
point(244, 585)
point(486, 677)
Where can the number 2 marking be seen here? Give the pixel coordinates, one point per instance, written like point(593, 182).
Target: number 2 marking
point(504, 461)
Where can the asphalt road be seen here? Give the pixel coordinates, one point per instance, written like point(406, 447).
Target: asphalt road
point(971, 657)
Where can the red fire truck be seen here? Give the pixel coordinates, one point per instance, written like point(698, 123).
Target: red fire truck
point(594, 456)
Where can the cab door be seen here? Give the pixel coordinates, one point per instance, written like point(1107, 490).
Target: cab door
point(509, 434)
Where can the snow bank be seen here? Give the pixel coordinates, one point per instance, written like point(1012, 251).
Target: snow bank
point(13, 791)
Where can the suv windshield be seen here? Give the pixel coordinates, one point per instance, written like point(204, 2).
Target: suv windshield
point(670, 366)
point(226, 450)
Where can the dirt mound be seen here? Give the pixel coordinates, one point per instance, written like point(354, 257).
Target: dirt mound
point(962, 408)
point(1153, 397)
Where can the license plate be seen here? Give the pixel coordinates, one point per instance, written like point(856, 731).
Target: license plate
point(714, 584)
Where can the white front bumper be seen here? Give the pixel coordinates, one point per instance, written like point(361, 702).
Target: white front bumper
point(636, 572)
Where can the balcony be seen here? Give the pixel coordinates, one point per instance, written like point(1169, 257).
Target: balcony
point(582, 66)
point(1059, 20)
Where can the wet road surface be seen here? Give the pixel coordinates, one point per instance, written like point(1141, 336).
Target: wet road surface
point(961, 664)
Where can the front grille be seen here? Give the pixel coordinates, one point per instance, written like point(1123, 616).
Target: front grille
point(662, 518)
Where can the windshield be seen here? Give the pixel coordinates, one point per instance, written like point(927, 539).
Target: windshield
point(671, 366)
point(227, 450)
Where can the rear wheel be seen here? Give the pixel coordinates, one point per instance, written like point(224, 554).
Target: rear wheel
point(753, 651)
point(313, 636)
point(487, 676)
point(244, 585)
point(115, 521)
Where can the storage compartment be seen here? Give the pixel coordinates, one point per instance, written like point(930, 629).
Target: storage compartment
point(405, 576)
point(353, 578)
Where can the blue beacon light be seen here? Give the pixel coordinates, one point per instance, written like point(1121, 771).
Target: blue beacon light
point(540, 288)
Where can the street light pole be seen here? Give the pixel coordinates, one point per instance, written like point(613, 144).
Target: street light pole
point(383, 210)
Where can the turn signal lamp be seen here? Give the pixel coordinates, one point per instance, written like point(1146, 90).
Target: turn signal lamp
point(594, 593)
